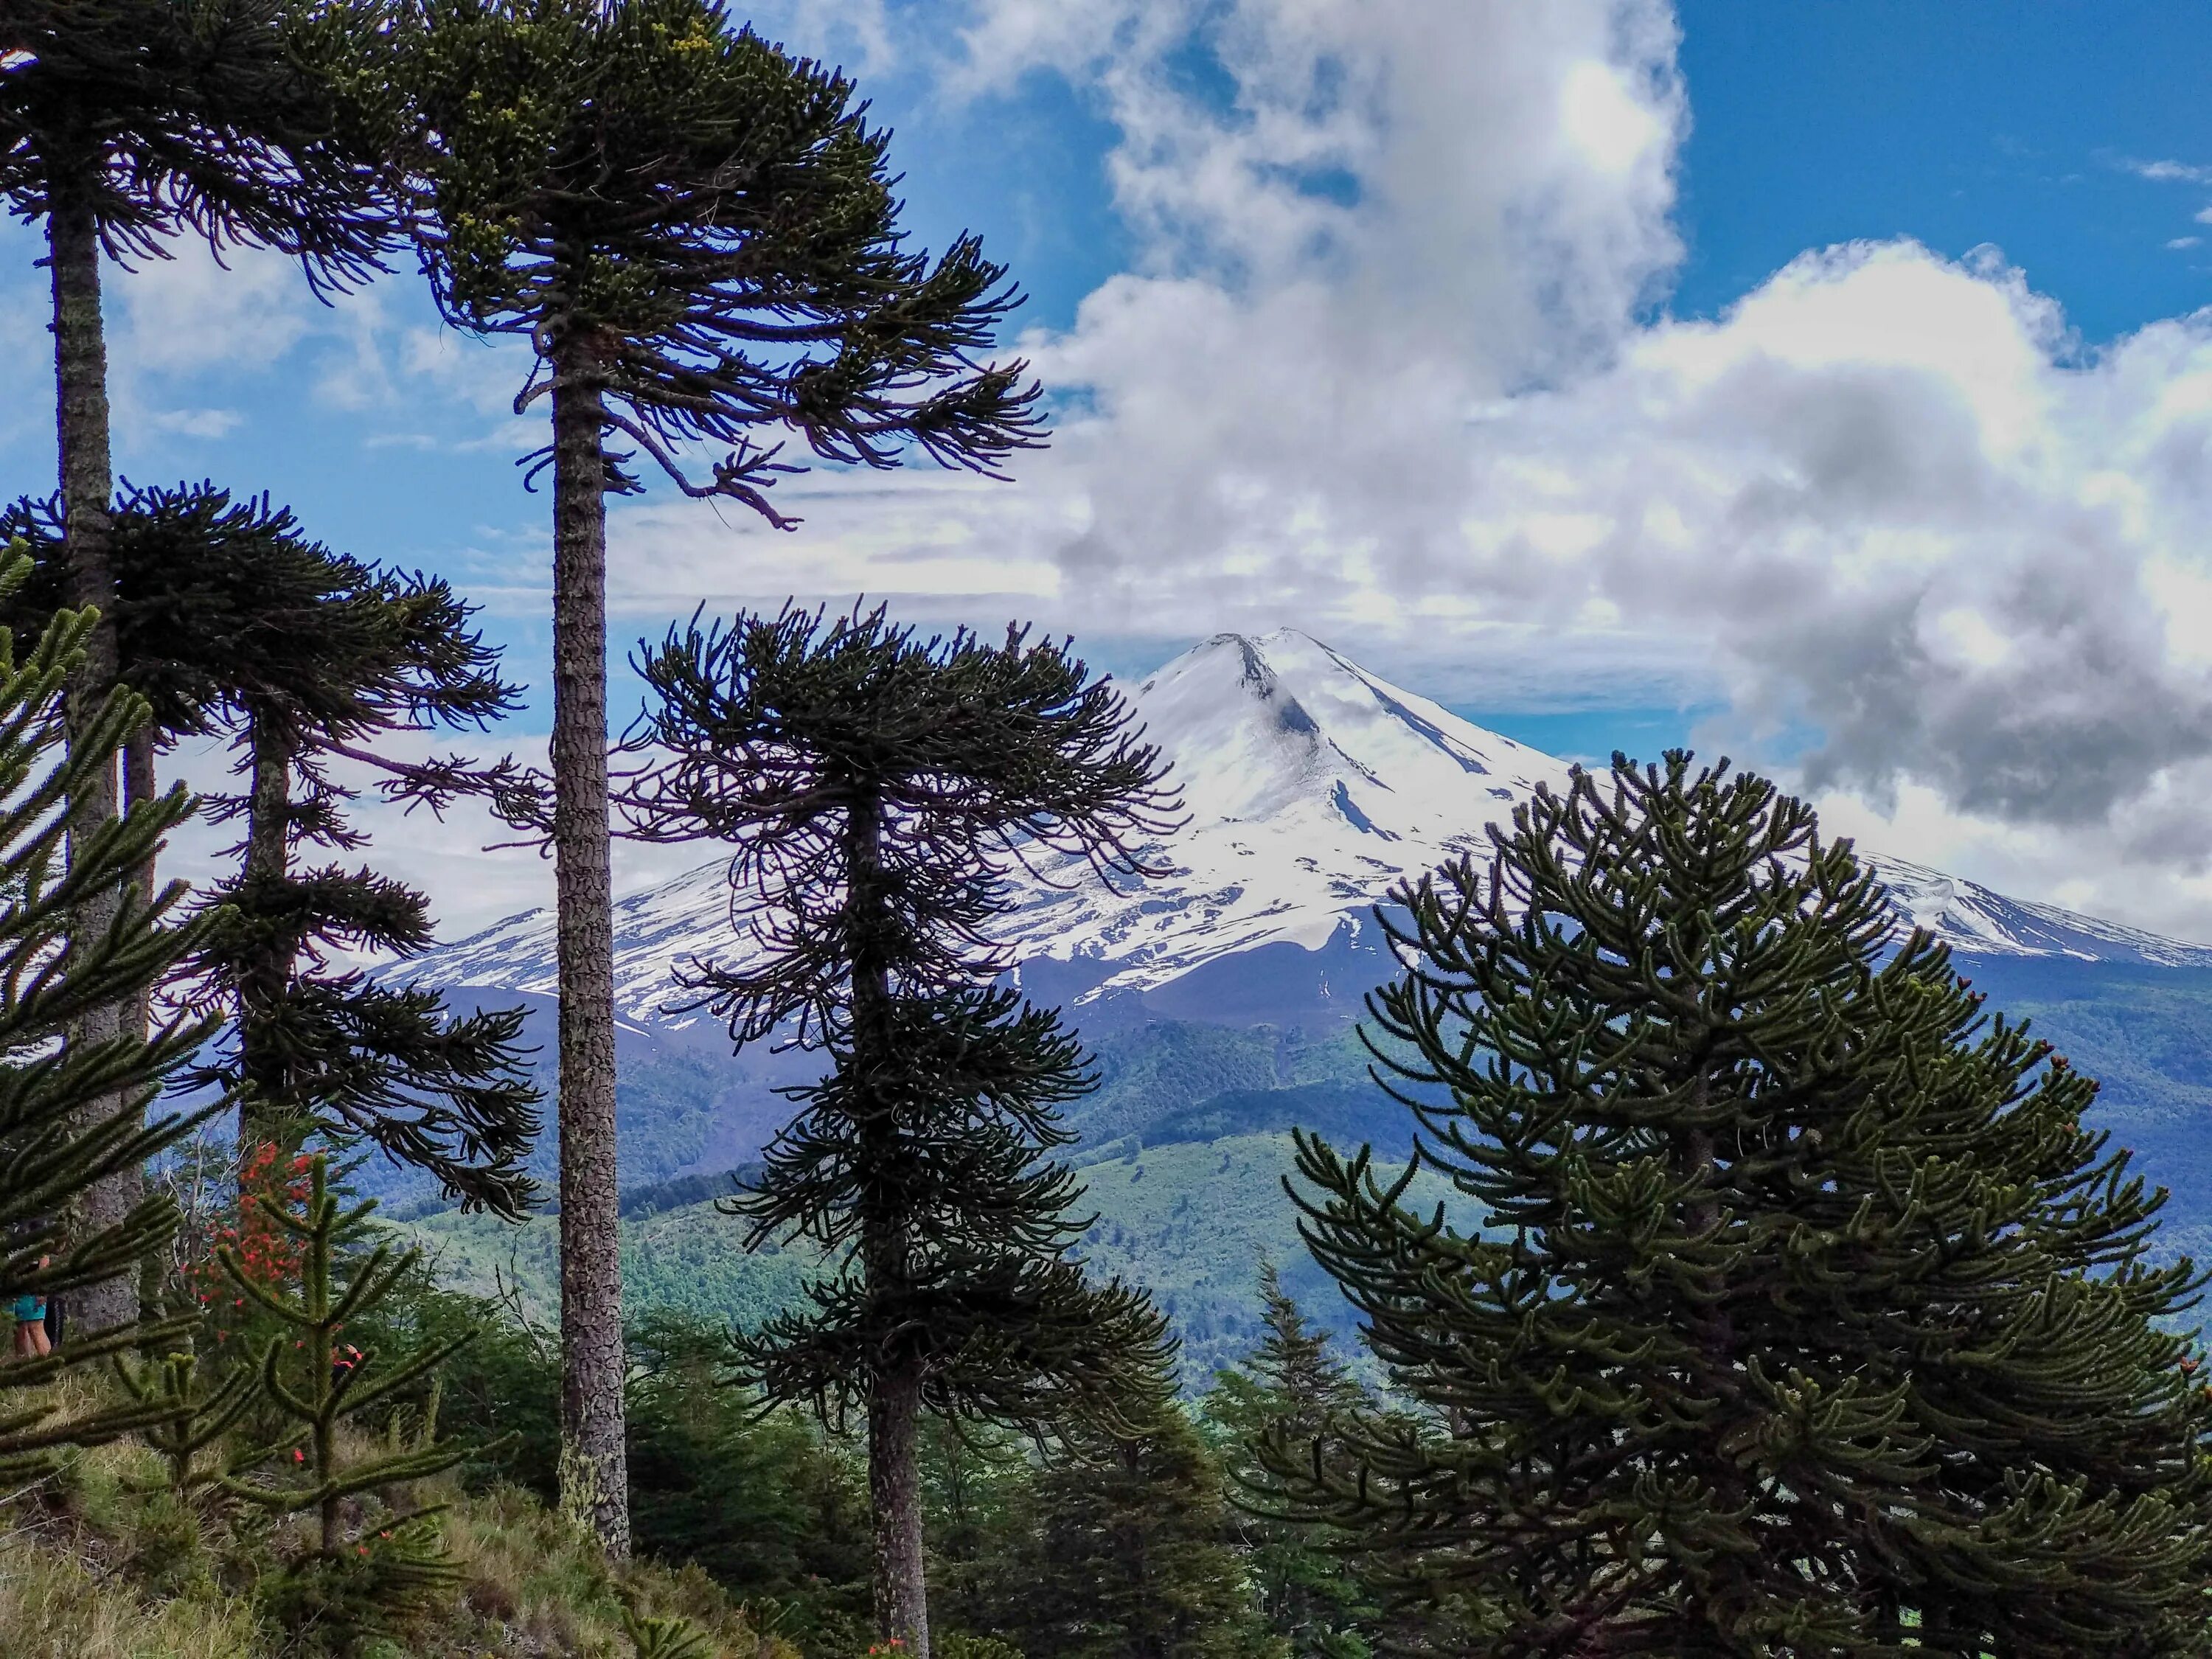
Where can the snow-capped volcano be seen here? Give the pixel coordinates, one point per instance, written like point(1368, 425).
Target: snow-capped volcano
point(1312, 787)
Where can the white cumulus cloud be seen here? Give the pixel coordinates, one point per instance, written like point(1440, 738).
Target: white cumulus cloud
point(1388, 365)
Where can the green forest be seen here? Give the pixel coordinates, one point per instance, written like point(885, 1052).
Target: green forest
point(1682, 1257)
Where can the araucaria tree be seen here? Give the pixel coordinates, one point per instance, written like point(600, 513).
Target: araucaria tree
point(123, 123)
point(876, 790)
point(231, 622)
point(696, 234)
point(53, 1143)
point(1806, 1315)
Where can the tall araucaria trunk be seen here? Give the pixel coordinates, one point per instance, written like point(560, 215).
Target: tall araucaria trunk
point(81, 419)
point(894, 1492)
point(594, 1473)
point(268, 1115)
point(886, 1248)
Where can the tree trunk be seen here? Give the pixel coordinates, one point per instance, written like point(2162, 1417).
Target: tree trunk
point(269, 1114)
point(139, 788)
point(895, 1490)
point(886, 1244)
point(594, 1473)
point(87, 483)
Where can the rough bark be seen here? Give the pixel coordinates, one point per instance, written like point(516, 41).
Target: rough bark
point(264, 1114)
point(895, 1391)
point(894, 1492)
point(81, 418)
point(594, 1467)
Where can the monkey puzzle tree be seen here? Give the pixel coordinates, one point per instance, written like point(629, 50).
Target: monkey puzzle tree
point(53, 1144)
point(697, 235)
point(1806, 1315)
point(876, 790)
point(230, 620)
point(123, 123)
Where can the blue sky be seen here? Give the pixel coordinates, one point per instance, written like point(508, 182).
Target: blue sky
point(1958, 124)
point(1815, 380)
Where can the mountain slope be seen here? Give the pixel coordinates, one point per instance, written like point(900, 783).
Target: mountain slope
point(1312, 788)
point(1218, 999)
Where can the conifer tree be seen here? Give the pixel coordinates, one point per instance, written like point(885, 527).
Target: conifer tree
point(769, 1506)
point(53, 1145)
point(1807, 1314)
point(875, 790)
point(1133, 1555)
point(122, 124)
point(981, 1491)
point(366, 1585)
point(1291, 1386)
point(231, 621)
point(696, 234)
point(195, 1416)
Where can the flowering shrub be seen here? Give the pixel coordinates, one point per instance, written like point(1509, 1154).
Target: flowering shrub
point(267, 1254)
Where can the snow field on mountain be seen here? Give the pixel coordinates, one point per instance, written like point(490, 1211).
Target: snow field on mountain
point(1311, 787)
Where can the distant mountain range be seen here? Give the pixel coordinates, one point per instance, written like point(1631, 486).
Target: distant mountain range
point(1312, 788)
point(1220, 997)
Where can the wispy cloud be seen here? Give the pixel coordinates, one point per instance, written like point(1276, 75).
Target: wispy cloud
point(2169, 172)
point(195, 423)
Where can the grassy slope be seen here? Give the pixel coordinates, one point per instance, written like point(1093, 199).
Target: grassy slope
point(99, 1562)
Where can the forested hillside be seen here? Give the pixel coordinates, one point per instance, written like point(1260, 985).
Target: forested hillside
point(1193, 1221)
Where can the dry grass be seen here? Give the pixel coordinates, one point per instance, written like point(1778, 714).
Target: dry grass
point(93, 1567)
point(534, 1586)
point(72, 1551)
point(54, 1606)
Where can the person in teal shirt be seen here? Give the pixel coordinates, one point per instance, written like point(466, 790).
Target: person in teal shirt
point(30, 1313)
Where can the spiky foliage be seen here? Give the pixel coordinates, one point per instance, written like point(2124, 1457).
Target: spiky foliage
point(1292, 1386)
point(700, 229)
point(194, 1418)
point(668, 1637)
point(219, 118)
point(232, 621)
point(876, 789)
point(697, 235)
point(370, 1580)
point(1133, 1555)
point(222, 598)
point(122, 123)
point(52, 1146)
point(1808, 1315)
